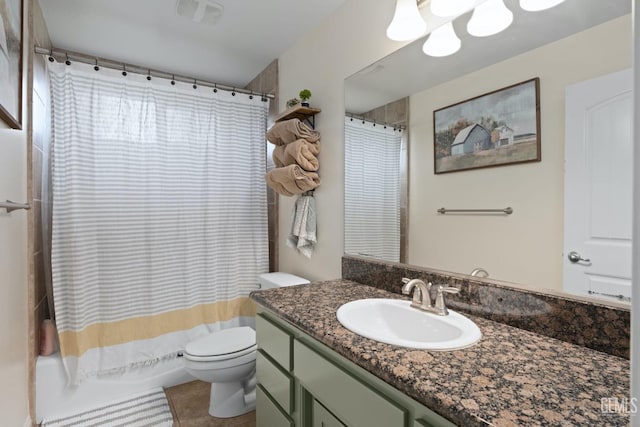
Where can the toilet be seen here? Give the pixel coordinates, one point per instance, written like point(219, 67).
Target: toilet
point(227, 359)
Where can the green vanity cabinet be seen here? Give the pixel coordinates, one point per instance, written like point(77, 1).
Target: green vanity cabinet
point(303, 383)
point(275, 341)
point(275, 381)
point(322, 417)
point(270, 414)
point(275, 400)
point(351, 400)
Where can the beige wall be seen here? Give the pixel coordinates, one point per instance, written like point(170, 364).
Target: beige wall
point(14, 269)
point(349, 40)
point(525, 247)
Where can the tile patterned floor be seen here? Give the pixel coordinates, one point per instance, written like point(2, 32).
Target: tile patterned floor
point(190, 403)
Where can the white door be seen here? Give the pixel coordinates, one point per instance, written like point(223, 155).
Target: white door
point(598, 192)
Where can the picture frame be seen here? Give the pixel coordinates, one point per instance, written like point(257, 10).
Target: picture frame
point(493, 129)
point(11, 62)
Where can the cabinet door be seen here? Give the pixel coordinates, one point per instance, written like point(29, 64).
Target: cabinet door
point(323, 418)
point(267, 413)
point(353, 401)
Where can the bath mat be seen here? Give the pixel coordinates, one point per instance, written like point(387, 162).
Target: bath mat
point(147, 409)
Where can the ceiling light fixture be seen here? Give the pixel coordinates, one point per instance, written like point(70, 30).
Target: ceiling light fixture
point(200, 11)
point(538, 5)
point(443, 41)
point(489, 18)
point(407, 23)
point(450, 7)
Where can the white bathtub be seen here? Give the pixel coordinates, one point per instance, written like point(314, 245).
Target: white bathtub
point(54, 398)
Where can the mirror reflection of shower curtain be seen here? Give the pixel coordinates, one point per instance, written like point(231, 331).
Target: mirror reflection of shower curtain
point(46, 204)
point(159, 215)
point(372, 190)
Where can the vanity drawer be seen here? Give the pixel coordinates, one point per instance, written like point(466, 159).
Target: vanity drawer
point(322, 417)
point(275, 341)
point(275, 381)
point(267, 413)
point(351, 400)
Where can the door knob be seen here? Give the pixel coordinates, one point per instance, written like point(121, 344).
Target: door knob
point(575, 257)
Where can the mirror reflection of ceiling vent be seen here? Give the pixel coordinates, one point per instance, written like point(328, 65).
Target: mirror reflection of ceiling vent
point(200, 11)
point(374, 68)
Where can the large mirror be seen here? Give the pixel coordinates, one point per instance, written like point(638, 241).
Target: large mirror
point(576, 49)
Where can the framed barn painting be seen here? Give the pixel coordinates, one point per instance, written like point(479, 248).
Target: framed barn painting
point(11, 62)
point(495, 129)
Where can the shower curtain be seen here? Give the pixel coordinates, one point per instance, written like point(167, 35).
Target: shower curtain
point(372, 190)
point(159, 215)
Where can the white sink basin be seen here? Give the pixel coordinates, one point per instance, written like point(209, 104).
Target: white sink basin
point(394, 322)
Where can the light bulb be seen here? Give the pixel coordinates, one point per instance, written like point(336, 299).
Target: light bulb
point(489, 18)
point(450, 7)
point(537, 5)
point(407, 23)
point(442, 41)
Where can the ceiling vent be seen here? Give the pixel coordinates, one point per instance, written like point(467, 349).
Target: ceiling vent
point(200, 11)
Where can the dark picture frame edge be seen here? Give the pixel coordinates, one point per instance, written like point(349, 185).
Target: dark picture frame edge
point(5, 115)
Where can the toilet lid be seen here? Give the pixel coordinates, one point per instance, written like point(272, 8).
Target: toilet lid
point(225, 342)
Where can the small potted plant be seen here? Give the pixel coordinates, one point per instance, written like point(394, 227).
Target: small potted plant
point(305, 94)
point(293, 102)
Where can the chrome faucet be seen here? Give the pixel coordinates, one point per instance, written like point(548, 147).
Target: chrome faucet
point(422, 297)
point(479, 272)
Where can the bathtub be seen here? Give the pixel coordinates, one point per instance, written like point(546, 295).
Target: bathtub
point(54, 397)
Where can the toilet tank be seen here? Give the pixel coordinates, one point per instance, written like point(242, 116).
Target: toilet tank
point(279, 279)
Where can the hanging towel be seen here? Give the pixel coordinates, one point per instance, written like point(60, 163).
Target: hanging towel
point(303, 228)
point(287, 131)
point(291, 180)
point(301, 152)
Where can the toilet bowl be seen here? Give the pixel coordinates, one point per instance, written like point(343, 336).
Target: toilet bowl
point(227, 359)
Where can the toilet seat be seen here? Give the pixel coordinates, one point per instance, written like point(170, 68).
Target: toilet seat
point(222, 345)
point(220, 357)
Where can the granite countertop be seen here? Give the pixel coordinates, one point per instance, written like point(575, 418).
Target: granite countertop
point(511, 377)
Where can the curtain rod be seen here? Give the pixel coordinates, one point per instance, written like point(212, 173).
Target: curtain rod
point(118, 65)
point(363, 119)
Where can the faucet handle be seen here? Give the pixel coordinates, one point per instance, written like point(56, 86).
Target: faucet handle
point(440, 304)
point(448, 289)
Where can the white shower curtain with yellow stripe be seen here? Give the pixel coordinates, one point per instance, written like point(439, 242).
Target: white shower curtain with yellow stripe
point(159, 215)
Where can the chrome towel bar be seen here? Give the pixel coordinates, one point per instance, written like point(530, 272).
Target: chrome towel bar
point(12, 206)
point(507, 210)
